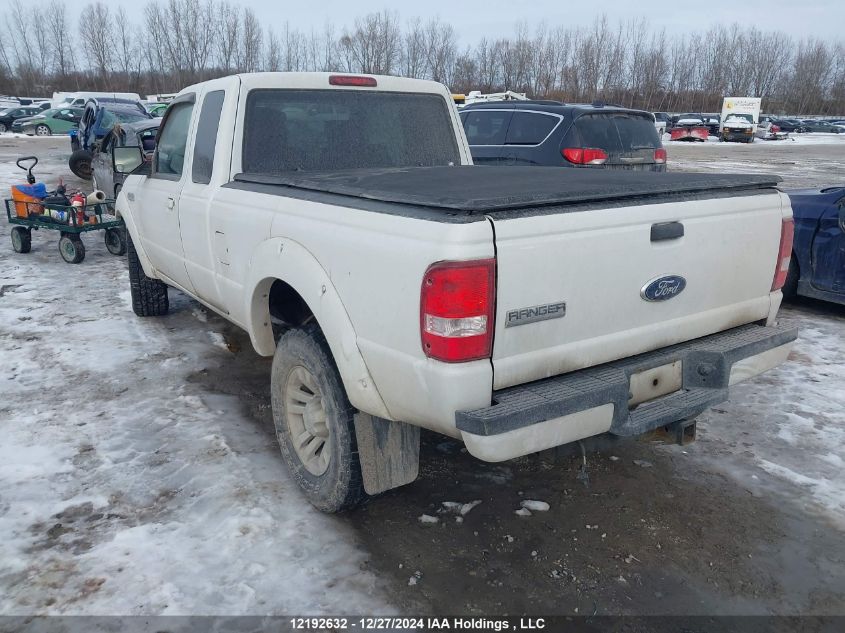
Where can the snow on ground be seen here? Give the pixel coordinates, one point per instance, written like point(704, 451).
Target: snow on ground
point(800, 441)
point(814, 138)
point(129, 490)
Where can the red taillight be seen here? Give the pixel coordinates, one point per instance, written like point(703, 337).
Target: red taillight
point(352, 80)
point(584, 156)
point(660, 156)
point(456, 310)
point(787, 231)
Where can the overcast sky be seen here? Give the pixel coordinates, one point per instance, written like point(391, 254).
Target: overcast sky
point(474, 19)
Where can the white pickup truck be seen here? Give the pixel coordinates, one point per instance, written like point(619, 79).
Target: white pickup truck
point(338, 220)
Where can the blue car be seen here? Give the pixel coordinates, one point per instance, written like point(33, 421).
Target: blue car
point(817, 268)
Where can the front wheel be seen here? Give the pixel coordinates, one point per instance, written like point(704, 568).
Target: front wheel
point(2, 128)
point(71, 249)
point(313, 419)
point(149, 296)
point(115, 241)
point(42, 130)
point(21, 239)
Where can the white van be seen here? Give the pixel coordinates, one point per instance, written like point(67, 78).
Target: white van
point(79, 99)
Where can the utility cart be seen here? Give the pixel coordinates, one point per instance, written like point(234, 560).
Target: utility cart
point(26, 213)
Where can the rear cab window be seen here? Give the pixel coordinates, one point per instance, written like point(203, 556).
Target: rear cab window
point(316, 130)
point(206, 139)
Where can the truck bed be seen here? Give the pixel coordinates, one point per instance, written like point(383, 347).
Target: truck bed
point(474, 190)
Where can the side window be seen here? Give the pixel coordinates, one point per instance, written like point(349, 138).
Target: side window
point(207, 126)
point(530, 128)
point(487, 127)
point(170, 153)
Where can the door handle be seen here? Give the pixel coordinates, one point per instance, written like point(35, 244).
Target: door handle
point(170, 203)
point(666, 231)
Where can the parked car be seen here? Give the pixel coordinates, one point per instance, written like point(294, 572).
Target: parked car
point(739, 128)
point(98, 119)
point(562, 135)
point(769, 131)
point(817, 267)
point(52, 121)
point(821, 126)
point(10, 115)
point(156, 109)
point(689, 127)
point(662, 121)
point(339, 221)
point(789, 125)
point(117, 154)
point(712, 121)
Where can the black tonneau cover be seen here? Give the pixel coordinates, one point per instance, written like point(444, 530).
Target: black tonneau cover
point(474, 189)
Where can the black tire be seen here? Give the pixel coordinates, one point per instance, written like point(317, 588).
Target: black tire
point(790, 287)
point(2, 127)
point(149, 296)
point(43, 130)
point(340, 487)
point(72, 249)
point(21, 239)
point(80, 164)
point(115, 240)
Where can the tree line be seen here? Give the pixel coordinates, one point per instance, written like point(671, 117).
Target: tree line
point(180, 42)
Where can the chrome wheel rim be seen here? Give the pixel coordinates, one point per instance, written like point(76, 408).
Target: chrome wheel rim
point(305, 416)
point(42, 131)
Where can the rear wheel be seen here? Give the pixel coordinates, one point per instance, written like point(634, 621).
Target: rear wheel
point(2, 127)
point(72, 249)
point(21, 239)
point(149, 296)
point(313, 420)
point(80, 164)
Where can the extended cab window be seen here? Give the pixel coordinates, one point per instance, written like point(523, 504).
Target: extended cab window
point(311, 130)
point(170, 154)
point(530, 128)
point(203, 163)
point(487, 127)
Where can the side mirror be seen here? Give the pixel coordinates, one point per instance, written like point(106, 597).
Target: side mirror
point(127, 159)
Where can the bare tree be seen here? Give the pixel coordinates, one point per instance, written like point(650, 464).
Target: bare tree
point(97, 28)
point(56, 26)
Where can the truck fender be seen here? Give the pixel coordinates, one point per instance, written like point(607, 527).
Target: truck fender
point(288, 261)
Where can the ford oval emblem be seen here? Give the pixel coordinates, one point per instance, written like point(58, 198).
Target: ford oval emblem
point(663, 288)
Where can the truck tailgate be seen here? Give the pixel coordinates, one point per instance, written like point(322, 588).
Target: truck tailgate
point(571, 285)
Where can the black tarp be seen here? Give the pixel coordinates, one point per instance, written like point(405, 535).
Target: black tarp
point(475, 189)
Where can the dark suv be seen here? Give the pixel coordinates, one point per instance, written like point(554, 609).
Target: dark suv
point(567, 135)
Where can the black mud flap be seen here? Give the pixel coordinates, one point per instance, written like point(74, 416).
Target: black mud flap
point(389, 452)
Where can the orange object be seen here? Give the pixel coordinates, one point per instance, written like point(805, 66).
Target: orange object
point(26, 205)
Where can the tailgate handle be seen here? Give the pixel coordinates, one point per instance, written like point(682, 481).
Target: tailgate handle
point(666, 231)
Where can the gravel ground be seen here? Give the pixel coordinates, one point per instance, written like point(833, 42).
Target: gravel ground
point(141, 475)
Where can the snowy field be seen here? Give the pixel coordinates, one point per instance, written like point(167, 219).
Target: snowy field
point(128, 486)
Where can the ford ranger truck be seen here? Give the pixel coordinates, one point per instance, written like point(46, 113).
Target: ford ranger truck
point(338, 219)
